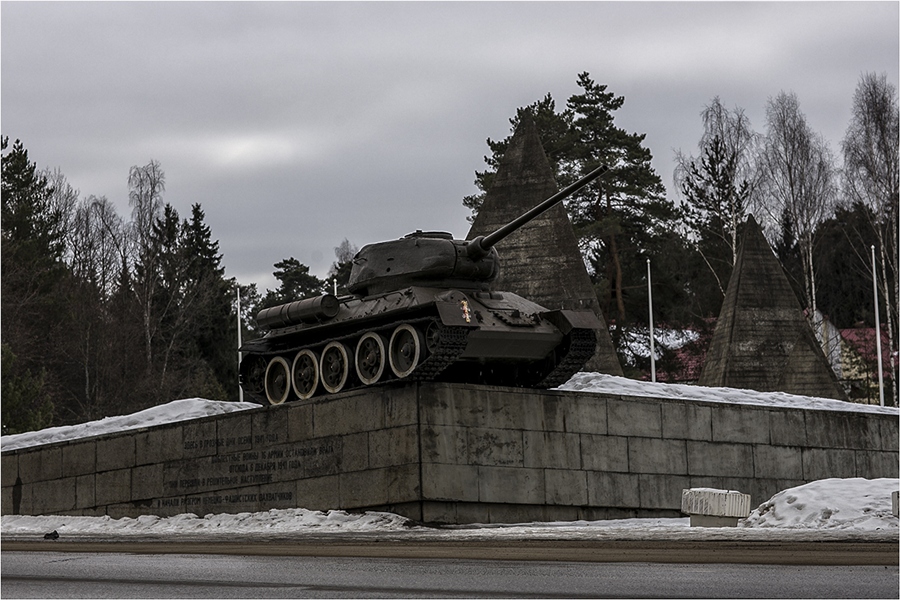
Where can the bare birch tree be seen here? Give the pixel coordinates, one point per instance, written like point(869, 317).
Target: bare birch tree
point(145, 188)
point(870, 176)
point(96, 242)
point(799, 180)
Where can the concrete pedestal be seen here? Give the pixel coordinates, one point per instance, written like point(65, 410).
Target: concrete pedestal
point(451, 453)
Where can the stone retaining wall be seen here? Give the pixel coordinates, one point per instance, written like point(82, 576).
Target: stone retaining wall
point(451, 453)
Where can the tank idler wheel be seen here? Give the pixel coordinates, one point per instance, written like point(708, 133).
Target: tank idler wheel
point(253, 376)
point(334, 367)
point(278, 380)
point(406, 350)
point(370, 358)
point(305, 374)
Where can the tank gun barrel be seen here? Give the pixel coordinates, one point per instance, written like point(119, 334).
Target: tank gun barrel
point(481, 245)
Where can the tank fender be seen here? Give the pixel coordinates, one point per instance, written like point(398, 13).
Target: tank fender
point(567, 320)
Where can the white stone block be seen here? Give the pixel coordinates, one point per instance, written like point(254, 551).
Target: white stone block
point(715, 503)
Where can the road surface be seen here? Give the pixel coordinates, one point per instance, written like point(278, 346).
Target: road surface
point(169, 575)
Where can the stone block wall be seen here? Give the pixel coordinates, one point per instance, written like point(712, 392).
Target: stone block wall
point(454, 454)
point(355, 450)
point(554, 456)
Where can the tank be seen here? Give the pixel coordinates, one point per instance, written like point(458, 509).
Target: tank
point(421, 308)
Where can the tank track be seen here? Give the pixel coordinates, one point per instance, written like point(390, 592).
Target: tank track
point(581, 347)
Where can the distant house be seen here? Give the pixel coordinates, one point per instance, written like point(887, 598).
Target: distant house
point(680, 354)
point(859, 363)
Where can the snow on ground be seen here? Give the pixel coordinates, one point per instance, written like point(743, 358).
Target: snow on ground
point(275, 520)
point(859, 506)
point(178, 410)
point(610, 384)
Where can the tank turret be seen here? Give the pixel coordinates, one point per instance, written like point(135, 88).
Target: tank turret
point(420, 308)
point(436, 259)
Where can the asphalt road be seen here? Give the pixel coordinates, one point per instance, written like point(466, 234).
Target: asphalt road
point(727, 550)
point(126, 575)
point(431, 565)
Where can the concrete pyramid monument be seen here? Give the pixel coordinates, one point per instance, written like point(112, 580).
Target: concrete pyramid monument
point(541, 261)
point(762, 339)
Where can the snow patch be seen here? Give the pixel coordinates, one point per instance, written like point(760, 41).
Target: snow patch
point(600, 383)
point(178, 410)
point(275, 520)
point(857, 503)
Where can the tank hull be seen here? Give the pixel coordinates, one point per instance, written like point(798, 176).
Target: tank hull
point(420, 333)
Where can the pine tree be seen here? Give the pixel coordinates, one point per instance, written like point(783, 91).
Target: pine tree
point(296, 283)
point(621, 219)
point(26, 404)
point(34, 308)
point(213, 335)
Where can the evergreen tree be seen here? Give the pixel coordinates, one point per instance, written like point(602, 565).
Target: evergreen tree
point(620, 219)
point(557, 137)
point(213, 334)
point(715, 206)
point(717, 188)
point(26, 404)
point(34, 308)
point(296, 283)
point(845, 291)
point(32, 226)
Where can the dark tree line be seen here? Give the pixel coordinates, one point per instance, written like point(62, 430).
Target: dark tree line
point(103, 316)
point(820, 218)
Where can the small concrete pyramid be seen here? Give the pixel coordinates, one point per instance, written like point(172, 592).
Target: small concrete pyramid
point(541, 261)
point(762, 339)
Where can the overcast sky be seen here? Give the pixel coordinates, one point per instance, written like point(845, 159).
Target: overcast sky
point(296, 125)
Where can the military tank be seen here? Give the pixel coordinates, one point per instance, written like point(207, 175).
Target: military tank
point(420, 308)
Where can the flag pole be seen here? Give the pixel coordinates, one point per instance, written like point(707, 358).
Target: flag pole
point(877, 330)
point(652, 347)
point(239, 344)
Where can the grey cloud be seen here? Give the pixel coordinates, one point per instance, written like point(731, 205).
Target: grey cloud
point(299, 124)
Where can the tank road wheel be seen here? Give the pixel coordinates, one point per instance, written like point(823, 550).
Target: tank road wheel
point(406, 350)
point(370, 358)
point(278, 380)
point(305, 374)
point(334, 367)
point(253, 375)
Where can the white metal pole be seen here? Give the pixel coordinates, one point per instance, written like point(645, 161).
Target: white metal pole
point(239, 344)
point(877, 329)
point(652, 346)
